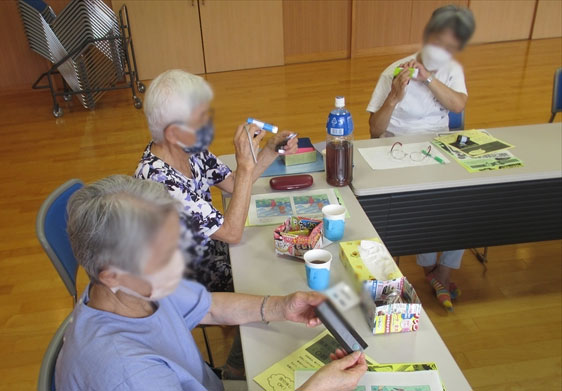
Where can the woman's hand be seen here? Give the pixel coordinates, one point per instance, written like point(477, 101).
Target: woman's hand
point(423, 73)
point(398, 88)
point(244, 158)
point(343, 374)
point(291, 146)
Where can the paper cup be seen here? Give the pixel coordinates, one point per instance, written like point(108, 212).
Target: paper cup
point(317, 263)
point(334, 222)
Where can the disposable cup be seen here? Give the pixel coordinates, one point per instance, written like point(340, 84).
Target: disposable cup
point(317, 263)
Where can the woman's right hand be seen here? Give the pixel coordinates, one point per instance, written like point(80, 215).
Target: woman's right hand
point(244, 158)
point(343, 374)
point(398, 88)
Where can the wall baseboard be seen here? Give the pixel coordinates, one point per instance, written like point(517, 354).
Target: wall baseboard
point(320, 56)
point(384, 50)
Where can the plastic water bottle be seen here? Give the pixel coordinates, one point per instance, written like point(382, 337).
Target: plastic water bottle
point(339, 145)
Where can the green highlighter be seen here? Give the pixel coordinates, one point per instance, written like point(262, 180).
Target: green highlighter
point(437, 159)
point(413, 72)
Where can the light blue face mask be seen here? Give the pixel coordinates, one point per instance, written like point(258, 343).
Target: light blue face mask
point(203, 138)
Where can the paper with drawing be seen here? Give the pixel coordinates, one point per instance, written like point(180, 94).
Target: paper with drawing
point(274, 208)
point(380, 158)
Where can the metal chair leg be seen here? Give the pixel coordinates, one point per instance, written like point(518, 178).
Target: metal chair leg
point(482, 257)
point(208, 346)
point(552, 117)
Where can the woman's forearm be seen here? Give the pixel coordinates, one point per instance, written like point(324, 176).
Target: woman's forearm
point(237, 211)
point(265, 158)
point(378, 121)
point(450, 99)
point(237, 308)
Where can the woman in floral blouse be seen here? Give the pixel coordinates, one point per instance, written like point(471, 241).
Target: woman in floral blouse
point(177, 108)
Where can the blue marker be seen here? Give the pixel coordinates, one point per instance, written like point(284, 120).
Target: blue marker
point(263, 125)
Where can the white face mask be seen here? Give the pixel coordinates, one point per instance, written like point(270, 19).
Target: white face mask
point(163, 282)
point(434, 57)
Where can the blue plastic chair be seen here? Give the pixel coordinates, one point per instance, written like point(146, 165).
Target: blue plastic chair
point(51, 232)
point(456, 120)
point(556, 94)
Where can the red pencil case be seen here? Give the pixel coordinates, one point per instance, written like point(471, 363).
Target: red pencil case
point(292, 182)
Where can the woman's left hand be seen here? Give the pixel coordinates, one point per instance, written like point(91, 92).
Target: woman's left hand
point(423, 73)
point(291, 146)
point(299, 307)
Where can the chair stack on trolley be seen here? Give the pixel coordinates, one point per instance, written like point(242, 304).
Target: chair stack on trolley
point(90, 48)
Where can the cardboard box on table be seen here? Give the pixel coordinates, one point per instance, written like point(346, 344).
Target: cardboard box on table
point(297, 235)
point(382, 319)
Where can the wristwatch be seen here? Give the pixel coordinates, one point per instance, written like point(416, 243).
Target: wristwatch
point(428, 80)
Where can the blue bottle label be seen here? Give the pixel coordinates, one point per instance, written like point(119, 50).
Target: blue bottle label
point(339, 124)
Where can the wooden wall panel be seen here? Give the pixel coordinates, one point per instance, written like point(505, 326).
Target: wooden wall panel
point(316, 29)
point(548, 19)
point(499, 20)
point(380, 23)
point(166, 35)
point(421, 12)
point(242, 34)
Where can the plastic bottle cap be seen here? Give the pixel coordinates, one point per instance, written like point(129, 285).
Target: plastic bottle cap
point(340, 101)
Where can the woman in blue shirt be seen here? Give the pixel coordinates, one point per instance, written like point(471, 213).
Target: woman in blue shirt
point(131, 330)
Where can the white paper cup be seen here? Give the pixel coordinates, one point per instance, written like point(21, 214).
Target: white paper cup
point(334, 222)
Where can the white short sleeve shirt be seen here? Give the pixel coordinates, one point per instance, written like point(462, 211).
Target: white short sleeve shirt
point(419, 111)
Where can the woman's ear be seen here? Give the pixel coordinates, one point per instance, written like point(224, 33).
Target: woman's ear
point(109, 278)
point(170, 134)
point(178, 132)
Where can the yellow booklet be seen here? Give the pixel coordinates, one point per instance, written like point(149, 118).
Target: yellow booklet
point(313, 355)
point(472, 143)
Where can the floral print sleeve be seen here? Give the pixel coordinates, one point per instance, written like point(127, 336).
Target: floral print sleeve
point(215, 170)
point(209, 260)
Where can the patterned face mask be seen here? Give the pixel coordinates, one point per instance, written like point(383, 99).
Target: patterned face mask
point(203, 138)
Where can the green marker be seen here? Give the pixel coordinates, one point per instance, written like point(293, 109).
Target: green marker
point(437, 159)
point(413, 72)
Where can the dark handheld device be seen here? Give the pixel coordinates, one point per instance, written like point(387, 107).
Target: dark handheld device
point(281, 146)
point(462, 141)
point(342, 331)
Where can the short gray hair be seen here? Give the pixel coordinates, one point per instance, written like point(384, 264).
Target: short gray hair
point(112, 221)
point(459, 19)
point(171, 97)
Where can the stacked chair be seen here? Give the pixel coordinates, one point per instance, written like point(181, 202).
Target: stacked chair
point(88, 46)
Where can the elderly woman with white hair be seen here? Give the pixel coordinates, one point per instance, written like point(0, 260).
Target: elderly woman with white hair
point(131, 329)
point(177, 108)
point(405, 104)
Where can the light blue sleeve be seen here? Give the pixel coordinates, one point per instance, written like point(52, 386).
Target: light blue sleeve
point(193, 302)
point(151, 377)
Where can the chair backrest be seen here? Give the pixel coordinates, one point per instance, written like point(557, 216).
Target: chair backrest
point(46, 380)
point(557, 92)
point(51, 232)
point(456, 120)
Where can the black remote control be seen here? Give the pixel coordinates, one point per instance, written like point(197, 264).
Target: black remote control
point(342, 331)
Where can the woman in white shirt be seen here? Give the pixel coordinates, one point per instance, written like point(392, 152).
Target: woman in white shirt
point(406, 105)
